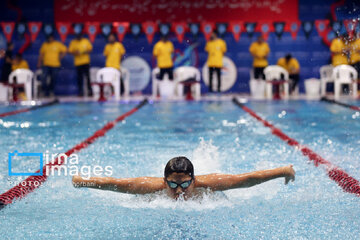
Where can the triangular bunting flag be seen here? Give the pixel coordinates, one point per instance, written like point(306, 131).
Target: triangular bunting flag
point(321, 26)
point(265, 28)
point(179, 28)
point(34, 29)
point(207, 28)
point(250, 28)
point(121, 28)
point(279, 28)
point(92, 28)
point(293, 27)
point(350, 26)
point(149, 28)
point(63, 29)
point(8, 29)
point(307, 27)
point(236, 28)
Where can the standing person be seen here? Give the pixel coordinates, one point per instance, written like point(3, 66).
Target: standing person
point(216, 49)
point(163, 50)
point(113, 52)
point(81, 48)
point(293, 67)
point(260, 51)
point(6, 68)
point(51, 54)
point(339, 51)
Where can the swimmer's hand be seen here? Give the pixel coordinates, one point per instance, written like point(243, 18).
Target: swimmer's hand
point(289, 173)
point(76, 181)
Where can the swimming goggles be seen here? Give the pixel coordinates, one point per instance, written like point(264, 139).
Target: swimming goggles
point(183, 185)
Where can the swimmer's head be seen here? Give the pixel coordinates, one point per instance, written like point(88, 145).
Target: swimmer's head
point(179, 165)
point(179, 178)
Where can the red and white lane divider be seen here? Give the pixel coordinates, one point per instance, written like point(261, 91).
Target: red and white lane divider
point(343, 179)
point(353, 107)
point(27, 185)
point(2, 115)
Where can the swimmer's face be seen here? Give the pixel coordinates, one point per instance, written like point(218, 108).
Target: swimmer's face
point(179, 179)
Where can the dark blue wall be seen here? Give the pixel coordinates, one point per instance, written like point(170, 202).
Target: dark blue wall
point(311, 52)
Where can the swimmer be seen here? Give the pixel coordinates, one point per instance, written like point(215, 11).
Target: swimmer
point(179, 180)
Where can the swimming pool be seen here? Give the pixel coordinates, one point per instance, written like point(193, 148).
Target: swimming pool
point(217, 137)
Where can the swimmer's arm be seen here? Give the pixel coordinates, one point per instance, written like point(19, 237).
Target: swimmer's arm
point(140, 185)
point(221, 182)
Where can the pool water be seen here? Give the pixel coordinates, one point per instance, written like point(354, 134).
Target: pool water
point(217, 137)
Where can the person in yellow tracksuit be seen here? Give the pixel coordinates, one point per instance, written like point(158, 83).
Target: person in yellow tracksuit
point(81, 48)
point(51, 53)
point(260, 51)
point(114, 51)
point(293, 67)
point(163, 50)
point(339, 51)
point(216, 48)
point(19, 62)
point(355, 56)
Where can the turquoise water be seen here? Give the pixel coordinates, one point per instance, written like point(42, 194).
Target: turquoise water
point(217, 137)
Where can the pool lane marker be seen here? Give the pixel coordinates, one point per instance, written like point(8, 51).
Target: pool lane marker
point(27, 185)
point(343, 179)
point(2, 115)
point(356, 108)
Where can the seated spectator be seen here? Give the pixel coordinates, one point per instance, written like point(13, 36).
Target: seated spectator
point(293, 67)
point(339, 51)
point(19, 62)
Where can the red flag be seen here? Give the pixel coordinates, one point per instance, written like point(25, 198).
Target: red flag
point(121, 28)
point(236, 28)
point(63, 29)
point(293, 28)
point(207, 29)
point(265, 28)
point(350, 26)
point(8, 29)
point(179, 28)
point(149, 28)
point(321, 26)
point(92, 28)
point(34, 28)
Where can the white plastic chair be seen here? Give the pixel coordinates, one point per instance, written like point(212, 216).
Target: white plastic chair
point(345, 74)
point(184, 73)
point(126, 78)
point(257, 86)
point(155, 82)
point(109, 75)
point(312, 88)
point(326, 77)
point(23, 76)
point(274, 72)
point(4, 89)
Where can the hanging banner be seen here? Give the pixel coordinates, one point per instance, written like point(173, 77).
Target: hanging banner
point(207, 28)
point(293, 28)
point(194, 29)
point(236, 28)
point(63, 29)
point(307, 27)
point(265, 28)
point(106, 29)
point(121, 28)
point(135, 29)
point(149, 28)
point(250, 28)
point(34, 29)
point(8, 29)
point(350, 26)
point(321, 26)
point(92, 28)
point(279, 28)
point(221, 28)
point(179, 28)
point(164, 29)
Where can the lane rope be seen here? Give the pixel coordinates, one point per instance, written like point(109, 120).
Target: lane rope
point(26, 186)
point(343, 179)
point(2, 115)
point(356, 108)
